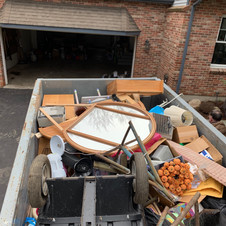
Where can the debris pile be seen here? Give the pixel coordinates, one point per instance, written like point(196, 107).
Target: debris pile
point(170, 166)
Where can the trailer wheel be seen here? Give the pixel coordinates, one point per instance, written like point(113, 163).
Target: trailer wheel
point(138, 168)
point(37, 187)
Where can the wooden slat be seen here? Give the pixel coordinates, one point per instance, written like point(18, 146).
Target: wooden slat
point(61, 100)
point(44, 146)
point(92, 137)
point(123, 112)
point(50, 131)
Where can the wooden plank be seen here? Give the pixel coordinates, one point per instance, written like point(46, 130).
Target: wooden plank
point(44, 146)
point(61, 99)
point(92, 138)
point(142, 87)
point(127, 99)
point(123, 112)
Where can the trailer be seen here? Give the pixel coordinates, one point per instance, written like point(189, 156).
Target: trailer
point(120, 209)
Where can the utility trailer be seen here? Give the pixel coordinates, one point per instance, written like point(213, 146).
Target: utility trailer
point(116, 211)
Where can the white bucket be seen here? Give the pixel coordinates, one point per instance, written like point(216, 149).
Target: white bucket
point(179, 116)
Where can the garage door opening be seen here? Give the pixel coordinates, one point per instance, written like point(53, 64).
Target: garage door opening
point(32, 54)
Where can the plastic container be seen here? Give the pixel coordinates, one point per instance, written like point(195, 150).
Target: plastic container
point(179, 116)
point(56, 164)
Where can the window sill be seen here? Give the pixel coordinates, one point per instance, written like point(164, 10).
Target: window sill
point(218, 70)
point(178, 8)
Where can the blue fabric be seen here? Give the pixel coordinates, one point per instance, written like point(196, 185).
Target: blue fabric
point(157, 110)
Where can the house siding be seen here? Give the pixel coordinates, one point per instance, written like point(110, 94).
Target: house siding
point(198, 75)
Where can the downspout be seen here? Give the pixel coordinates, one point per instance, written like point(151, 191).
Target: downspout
point(186, 44)
point(134, 55)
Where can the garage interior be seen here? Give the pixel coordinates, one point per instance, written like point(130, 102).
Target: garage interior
point(32, 54)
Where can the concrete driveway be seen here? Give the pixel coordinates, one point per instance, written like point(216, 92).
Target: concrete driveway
point(13, 108)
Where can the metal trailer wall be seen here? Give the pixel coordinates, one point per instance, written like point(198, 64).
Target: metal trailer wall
point(15, 205)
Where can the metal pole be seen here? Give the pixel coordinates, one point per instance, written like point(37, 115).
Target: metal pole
point(186, 45)
point(134, 56)
point(186, 209)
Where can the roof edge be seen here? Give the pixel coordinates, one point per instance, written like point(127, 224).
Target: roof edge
point(169, 2)
point(70, 30)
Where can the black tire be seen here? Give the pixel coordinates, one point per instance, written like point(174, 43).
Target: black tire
point(123, 159)
point(40, 170)
point(138, 168)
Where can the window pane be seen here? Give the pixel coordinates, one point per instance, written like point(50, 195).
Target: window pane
point(222, 36)
point(223, 25)
point(219, 56)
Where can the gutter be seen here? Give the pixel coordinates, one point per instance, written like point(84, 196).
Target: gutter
point(186, 44)
point(153, 1)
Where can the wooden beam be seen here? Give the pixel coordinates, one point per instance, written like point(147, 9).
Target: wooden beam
point(123, 112)
point(100, 140)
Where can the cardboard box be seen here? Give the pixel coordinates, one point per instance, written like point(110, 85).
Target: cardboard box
point(158, 143)
point(201, 144)
point(185, 134)
point(143, 87)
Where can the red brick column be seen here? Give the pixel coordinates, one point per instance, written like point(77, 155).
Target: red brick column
point(173, 44)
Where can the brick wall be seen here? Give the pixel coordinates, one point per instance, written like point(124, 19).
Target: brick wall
point(198, 77)
point(1, 3)
point(173, 43)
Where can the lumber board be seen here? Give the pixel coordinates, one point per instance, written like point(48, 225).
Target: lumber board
point(142, 87)
point(61, 99)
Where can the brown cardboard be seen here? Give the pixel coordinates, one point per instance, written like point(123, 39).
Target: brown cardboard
point(185, 134)
point(201, 144)
point(155, 145)
point(188, 198)
point(198, 145)
point(162, 141)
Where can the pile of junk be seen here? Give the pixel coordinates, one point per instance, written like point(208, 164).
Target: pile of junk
point(130, 157)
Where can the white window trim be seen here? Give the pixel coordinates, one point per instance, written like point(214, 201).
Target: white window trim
point(223, 66)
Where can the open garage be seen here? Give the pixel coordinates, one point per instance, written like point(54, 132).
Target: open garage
point(70, 44)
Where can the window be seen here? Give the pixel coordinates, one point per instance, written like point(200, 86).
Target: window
point(219, 56)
